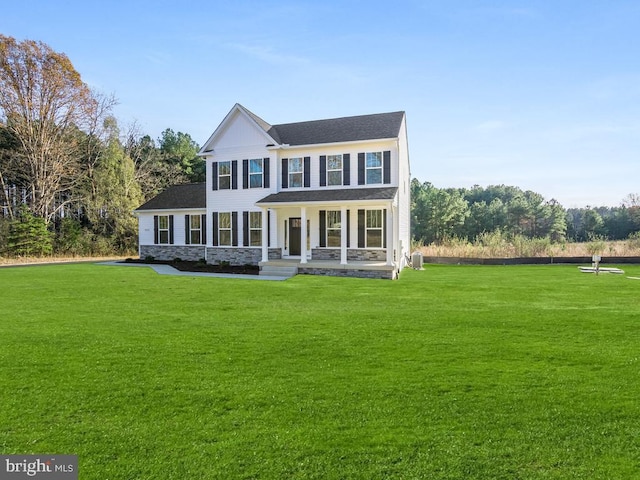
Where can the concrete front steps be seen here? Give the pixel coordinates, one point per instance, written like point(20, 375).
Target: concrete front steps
point(287, 271)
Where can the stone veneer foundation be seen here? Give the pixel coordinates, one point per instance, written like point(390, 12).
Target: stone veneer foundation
point(171, 252)
point(240, 255)
point(353, 254)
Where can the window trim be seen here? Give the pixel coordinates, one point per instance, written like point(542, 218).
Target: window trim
point(368, 169)
point(331, 226)
point(225, 229)
point(300, 172)
point(162, 230)
point(333, 170)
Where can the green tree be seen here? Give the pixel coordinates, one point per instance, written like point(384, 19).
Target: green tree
point(117, 194)
point(28, 235)
point(180, 150)
point(438, 214)
point(592, 225)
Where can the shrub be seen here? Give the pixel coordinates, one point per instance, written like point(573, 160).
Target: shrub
point(28, 235)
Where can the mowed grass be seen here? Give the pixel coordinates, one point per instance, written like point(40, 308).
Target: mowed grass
point(454, 372)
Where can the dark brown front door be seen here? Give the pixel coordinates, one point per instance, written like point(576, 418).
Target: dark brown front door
point(295, 235)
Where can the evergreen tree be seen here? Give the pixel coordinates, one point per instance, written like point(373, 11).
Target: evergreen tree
point(28, 235)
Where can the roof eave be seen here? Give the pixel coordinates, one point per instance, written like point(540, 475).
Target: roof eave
point(347, 142)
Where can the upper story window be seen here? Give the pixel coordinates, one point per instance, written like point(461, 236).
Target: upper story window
point(224, 175)
point(255, 173)
point(296, 172)
point(334, 170)
point(374, 168)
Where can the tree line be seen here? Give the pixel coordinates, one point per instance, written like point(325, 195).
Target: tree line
point(442, 214)
point(70, 177)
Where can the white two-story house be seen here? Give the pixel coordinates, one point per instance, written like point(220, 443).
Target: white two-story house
point(324, 197)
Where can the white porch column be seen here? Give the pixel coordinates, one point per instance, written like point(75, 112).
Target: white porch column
point(303, 235)
point(390, 228)
point(265, 235)
point(343, 236)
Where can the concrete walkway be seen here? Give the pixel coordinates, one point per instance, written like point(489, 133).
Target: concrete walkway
point(169, 270)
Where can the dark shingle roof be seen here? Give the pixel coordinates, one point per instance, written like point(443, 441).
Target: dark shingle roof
point(331, 195)
point(345, 129)
point(190, 195)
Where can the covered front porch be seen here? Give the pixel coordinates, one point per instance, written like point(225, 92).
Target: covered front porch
point(337, 232)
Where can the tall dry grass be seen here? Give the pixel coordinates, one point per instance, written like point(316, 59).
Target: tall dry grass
point(496, 245)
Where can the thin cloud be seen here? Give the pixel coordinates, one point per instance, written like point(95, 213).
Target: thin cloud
point(269, 55)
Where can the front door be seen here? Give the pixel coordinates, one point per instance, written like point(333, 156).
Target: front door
point(295, 236)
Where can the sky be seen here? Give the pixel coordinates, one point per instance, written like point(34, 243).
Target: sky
point(539, 94)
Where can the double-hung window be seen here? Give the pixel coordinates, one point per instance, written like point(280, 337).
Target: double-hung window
point(373, 167)
point(255, 229)
point(194, 230)
point(224, 175)
point(374, 228)
point(334, 228)
point(255, 173)
point(163, 229)
point(296, 170)
point(334, 169)
point(224, 228)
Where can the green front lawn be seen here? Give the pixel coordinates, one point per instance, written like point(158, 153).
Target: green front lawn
point(462, 372)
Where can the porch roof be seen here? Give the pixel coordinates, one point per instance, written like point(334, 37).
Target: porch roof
point(330, 196)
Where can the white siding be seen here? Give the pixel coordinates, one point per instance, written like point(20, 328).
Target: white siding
point(240, 131)
point(146, 225)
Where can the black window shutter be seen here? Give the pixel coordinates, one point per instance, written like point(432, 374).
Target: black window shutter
point(268, 228)
point(265, 172)
point(234, 175)
point(203, 226)
point(245, 229)
point(307, 172)
point(348, 228)
point(285, 173)
point(386, 167)
point(171, 229)
point(323, 170)
point(187, 231)
point(361, 228)
point(384, 228)
point(245, 173)
point(234, 229)
point(323, 228)
point(214, 175)
point(361, 170)
point(346, 169)
point(155, 229)
point(214, 225)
